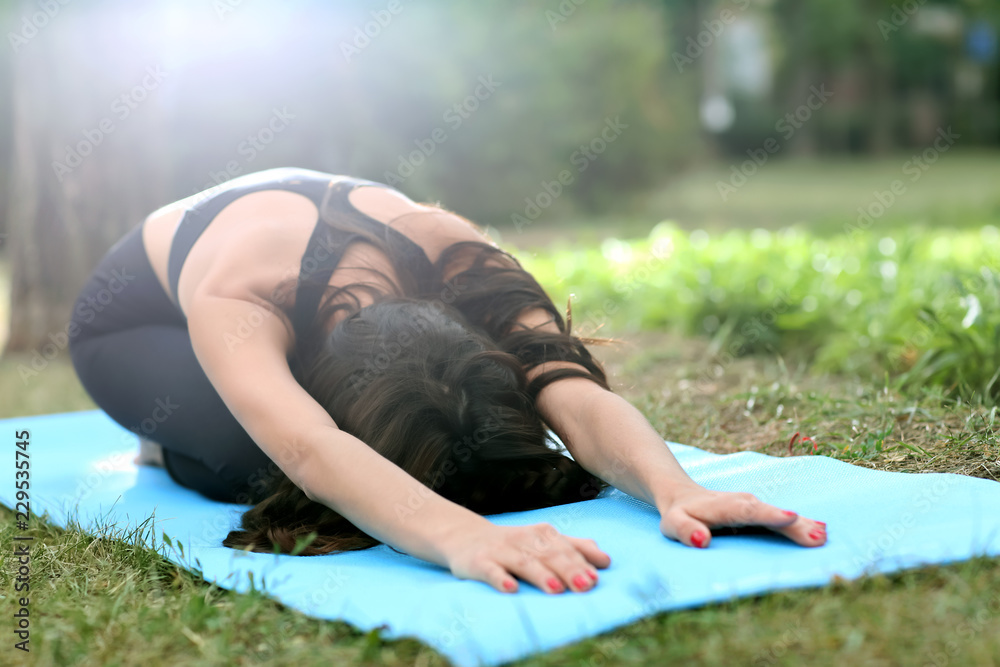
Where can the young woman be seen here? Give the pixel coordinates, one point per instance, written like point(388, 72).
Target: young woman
point(368, 369)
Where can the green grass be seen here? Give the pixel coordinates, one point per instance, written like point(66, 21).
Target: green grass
point(959, 190)
point(785, 266)
point(759, 404)
point(54, 389)
point(108, 600)
point(921, 304)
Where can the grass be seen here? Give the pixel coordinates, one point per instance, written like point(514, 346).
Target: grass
point(55, 388)
point(959, 190)
point(819, 193)
point(922, 304)
point(759, 404)
point(109, 600)
point(106, 599)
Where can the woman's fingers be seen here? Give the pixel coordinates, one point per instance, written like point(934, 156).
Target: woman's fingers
point(739, 509)
point(689, 516)
point(536, 572)
point(806, 532)
point(498, 578)
point(590, 551)
point(744, 509)
point(681, 526)
point(553, 562)
point(537, 554)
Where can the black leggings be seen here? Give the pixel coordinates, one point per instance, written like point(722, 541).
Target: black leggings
point(133, 355)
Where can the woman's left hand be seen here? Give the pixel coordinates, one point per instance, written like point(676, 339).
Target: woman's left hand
point(691, 512)
point(613, 440)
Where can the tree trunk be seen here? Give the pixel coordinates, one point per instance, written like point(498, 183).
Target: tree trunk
point(65, 211)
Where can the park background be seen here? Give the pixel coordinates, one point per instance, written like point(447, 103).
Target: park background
point(787, 211)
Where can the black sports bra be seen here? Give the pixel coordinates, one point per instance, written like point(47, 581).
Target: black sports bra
point(326, 245)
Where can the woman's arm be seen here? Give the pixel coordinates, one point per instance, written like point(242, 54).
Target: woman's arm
point(613, 440)
point(332, 467)
point(628, 462)
point(251, 374)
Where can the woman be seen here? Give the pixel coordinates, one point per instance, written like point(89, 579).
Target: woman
point(368, 369)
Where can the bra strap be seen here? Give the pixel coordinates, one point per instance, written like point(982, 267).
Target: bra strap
point(326, 248)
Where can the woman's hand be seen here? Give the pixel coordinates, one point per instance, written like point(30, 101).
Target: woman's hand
point(537, 553)
point(609, 437)
point(690, 513)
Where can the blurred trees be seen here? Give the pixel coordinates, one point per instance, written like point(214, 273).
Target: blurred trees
point(899, 69)
point(369, 105)
point(482, 106)
point(84, 169)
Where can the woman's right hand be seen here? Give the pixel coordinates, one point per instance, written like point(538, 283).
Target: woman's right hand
point(536, 553)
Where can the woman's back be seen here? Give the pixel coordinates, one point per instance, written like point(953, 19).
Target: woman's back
point(258, 239)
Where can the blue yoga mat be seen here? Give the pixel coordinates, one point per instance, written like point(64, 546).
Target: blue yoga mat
point(877, 522)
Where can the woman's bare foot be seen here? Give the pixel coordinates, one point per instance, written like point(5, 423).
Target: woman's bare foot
point(150, 454)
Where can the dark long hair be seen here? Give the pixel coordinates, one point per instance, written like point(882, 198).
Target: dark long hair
point(434, 378)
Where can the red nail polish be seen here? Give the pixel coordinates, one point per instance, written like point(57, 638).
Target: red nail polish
point(593, 575)
point(554, 584)
point(509, 585)
point(698, 538)
point(789, 513)
point(821, 523)
point(580, 582)
point(815, 535)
